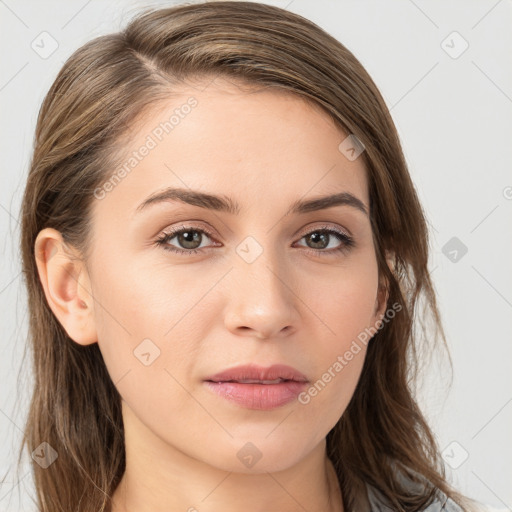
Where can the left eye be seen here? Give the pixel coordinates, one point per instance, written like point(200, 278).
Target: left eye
point(190, 240)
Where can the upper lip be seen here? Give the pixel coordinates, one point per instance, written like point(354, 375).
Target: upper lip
point(255, 373)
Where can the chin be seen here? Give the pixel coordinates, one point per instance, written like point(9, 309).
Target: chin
point(259, 454)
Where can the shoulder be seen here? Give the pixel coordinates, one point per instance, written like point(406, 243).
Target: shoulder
point(441, 503)
point(482, 507)
point(449, 505)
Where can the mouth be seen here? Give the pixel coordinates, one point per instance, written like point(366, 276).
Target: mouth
point(255, 381)
point(252, 374)
point(258, 388)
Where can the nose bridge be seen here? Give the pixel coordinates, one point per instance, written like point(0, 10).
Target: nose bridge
point(261, 298)
point(260, 267)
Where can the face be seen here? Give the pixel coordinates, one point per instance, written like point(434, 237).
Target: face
point(181, 291)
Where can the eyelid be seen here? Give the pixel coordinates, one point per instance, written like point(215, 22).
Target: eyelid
point(191, 225)
point(346, 239)
point(329, 227)
point(307, 231)
point(172, 232)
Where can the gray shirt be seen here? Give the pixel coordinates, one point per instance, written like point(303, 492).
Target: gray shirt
point(377, 503)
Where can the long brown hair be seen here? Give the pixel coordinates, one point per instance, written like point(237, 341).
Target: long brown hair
point(98, 95)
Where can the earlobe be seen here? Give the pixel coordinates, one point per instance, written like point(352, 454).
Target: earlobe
point(390, 260)
point(66, 286)
point(383, 291)
point(381, 302)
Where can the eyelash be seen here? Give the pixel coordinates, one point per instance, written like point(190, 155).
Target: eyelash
point(346, 245)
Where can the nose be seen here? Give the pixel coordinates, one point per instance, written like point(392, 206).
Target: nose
point(262, 299)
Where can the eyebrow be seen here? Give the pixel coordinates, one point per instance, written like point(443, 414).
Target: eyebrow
point(222, 203)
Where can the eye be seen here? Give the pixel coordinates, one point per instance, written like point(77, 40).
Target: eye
point(321, 239)
point(190, 239)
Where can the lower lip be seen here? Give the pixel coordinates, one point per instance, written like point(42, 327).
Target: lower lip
point(258, 396)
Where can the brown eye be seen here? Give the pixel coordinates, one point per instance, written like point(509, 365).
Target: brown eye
point(188, 240)
point(320, 239)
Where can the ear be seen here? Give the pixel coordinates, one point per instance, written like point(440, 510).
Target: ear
point(383, 291)
point(66, 285)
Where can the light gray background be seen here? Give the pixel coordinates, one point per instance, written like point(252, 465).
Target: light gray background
point(454, 117)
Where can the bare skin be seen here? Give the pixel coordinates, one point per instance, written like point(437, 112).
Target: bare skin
point(297, 303)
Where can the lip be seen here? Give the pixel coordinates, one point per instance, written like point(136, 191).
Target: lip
point(258, 387)
point(261, 373)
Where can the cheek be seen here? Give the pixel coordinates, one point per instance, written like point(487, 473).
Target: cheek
point(137, 299)
point(330, 392)
point(339, 360)
point(346, 308)
point(148, 318)
point(345, 302)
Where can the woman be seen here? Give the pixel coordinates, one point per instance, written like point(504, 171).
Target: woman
point(224, 254)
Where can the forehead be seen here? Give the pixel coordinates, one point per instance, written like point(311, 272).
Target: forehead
point(254, 144)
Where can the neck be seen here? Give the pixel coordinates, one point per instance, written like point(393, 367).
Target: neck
point(160, 478)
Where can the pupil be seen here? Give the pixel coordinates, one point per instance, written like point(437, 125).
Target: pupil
point(187, 237)
point(315, 238)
